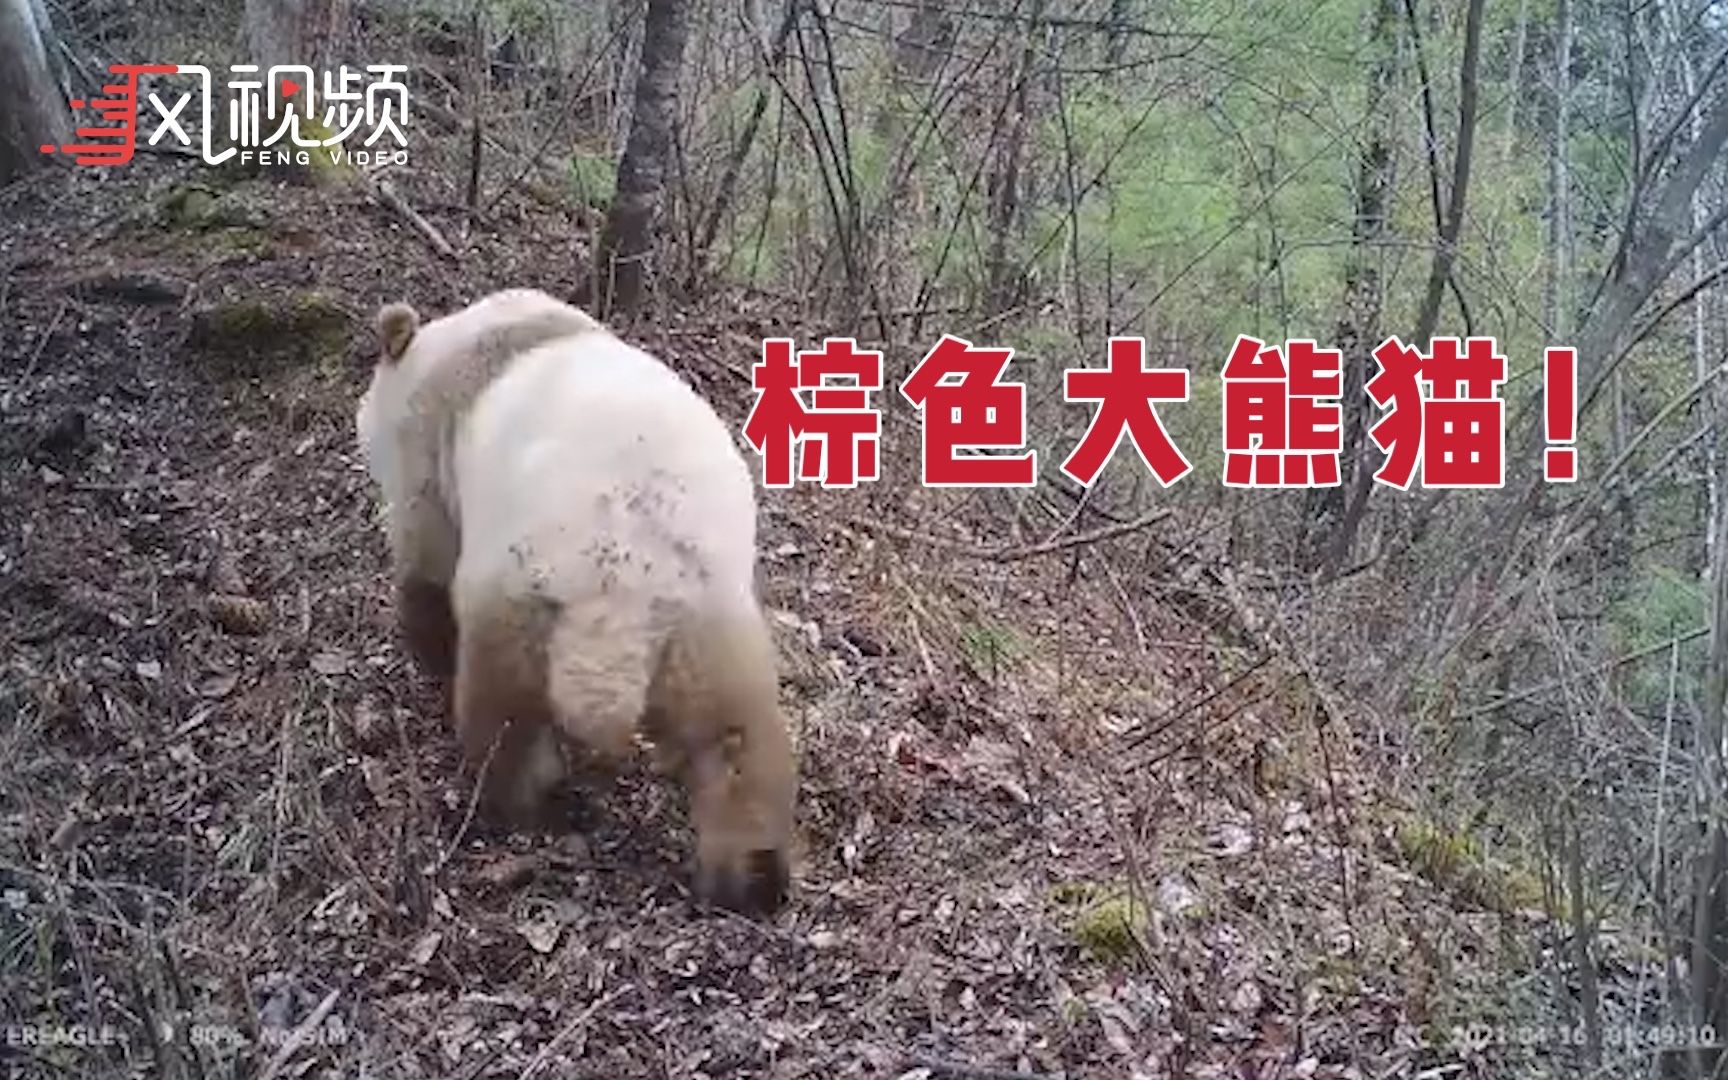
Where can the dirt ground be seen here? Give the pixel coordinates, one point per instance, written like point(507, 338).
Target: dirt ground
point(1038, 838)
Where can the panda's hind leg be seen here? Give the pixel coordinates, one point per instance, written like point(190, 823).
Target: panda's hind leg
point(504, 717)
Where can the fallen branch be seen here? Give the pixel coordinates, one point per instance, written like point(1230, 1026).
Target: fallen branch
point(299, 1036)
point(953, 1070)
point(1010, 553)
point(580, 1021)
point(389, 196)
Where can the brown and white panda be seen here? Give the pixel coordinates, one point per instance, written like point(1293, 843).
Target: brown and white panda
point(573, 533)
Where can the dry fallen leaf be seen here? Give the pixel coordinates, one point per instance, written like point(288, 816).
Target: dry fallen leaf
point(1247, 998)
point(219, 686)
point(1230, 839)
point(425, 948)
point(541, 936)
point(824, 939)
point(370, 730)
point(330, 663)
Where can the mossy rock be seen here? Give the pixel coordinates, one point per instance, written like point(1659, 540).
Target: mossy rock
point(267, 335)
point(1110, 923)
point(201, 208)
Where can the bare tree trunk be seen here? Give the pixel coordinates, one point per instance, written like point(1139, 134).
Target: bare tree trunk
point(1676, 26)
point(1647, 257)
point(1117, 48)
point(1556, 287)
point(632, 223)
point(1446, 252)
point(1709, 960)
point(32, 112)
point(1004, 186)
point(727, 189)
point(1515, 73)
point(293, 31)
point(1358, 326)
point(1451, 225)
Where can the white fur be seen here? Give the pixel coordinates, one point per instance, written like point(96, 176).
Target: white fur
point(589, 472)
point(595, 524)
point(585, 473)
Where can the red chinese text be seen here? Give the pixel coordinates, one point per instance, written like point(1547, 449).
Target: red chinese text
point(1443, 413)
point(1125, 392)
point(1281, 415)
point(836, 432)
point(965, 404)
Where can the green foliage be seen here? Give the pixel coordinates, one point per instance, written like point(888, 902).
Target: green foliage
point(532, 19)
point(1663, 603)
point(1457, 862)
point(593, 177)
point(990, 647)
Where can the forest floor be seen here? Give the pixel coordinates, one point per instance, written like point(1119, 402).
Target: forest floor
point(1039, 837)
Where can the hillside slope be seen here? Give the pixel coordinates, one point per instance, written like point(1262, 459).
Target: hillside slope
point(230, 808)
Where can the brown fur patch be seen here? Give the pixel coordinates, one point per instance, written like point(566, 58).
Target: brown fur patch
point(428, 625)
point(504, 718)
point(396, 324)
point(713, 708)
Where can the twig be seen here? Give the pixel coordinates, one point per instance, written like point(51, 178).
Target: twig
point(1629, 658)
point(571, 1028)
point(473, 201)
point(455, 844)
point(1151, 729)
point(1018, 554)
point(954, 1070)
point(299, 1036)
point(389, 196)
point(36, 354)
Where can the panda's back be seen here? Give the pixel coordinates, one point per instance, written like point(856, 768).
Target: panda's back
point(588, 468)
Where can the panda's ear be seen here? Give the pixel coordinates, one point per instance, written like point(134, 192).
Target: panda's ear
point(396, 325)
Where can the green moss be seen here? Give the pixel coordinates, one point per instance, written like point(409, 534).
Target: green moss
point(531, 19)
point(188, 206)
point(201, 208)
point(325, 167)
point(1110, 923)
point(1456, 862)
point(1112, 930)
point(267, 334)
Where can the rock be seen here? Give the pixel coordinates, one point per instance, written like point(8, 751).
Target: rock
point(267, 334)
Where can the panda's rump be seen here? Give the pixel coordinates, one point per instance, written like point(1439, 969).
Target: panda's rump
point(592, 479)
